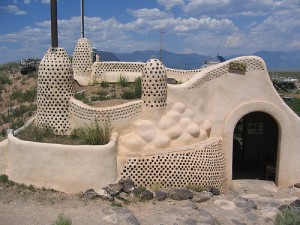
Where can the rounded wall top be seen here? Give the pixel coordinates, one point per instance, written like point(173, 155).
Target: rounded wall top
point(154, 84)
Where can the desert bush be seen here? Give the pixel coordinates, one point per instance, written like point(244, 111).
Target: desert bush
point(123, 81)
point(104, 83)
point(79, 96)
point(62, 220)
point(128, 95)
point(102, 93)
point(4, 79)
point(288, 216)
point(27, 96)
point(36, 133)
point(295, 105)
point(17, 124)
point(138, 87)
point(93, 134)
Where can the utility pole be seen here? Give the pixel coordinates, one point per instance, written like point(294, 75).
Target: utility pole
point(161, 47)
point(54, 34)
point(82, 17)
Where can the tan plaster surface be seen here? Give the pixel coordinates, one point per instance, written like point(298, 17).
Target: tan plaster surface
point(66, 168)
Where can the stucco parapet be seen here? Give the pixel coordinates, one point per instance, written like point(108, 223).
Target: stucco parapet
point(114, 138)
point(115, 107)
point(151, 152)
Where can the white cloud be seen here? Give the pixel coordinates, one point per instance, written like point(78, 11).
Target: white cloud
point(150, 14)
point(234, 41)
point(168, 4)
point(14, 10)
point(27, 2)
point(45, 1)
point(15, 1)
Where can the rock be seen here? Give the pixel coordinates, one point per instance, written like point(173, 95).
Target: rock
point(181, 194)
point(282, 207)
point(128, 188)
point(128, 185)
point(125, 197)
point(160, 195)
point(295, 203)
point(127, 180)
point(202, 196)
point(213, 190)
point(90, 194)
point(297, 185)
point(146, 195)
point(113, 189)
point(247, 204)
point(105, 195)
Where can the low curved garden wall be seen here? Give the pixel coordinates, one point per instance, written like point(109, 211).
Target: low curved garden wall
point(67, 168)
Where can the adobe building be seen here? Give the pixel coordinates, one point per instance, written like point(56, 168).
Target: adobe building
point(224, 122)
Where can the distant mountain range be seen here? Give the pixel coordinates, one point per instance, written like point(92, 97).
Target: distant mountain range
point(276, 60)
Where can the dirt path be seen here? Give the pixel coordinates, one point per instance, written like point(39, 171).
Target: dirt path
point(253, 202)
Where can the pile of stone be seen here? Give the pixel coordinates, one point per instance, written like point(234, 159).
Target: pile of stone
point(125, 191)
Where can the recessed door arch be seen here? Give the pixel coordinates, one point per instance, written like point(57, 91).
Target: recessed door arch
point(255, 144)
point(283, 131)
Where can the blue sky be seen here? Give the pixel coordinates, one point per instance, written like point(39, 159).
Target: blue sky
point(191, 26)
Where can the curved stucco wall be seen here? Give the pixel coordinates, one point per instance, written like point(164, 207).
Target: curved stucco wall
point(111, 71)
point(66, 168)
point(121, 116)
point(217, 92)
point(198, 164)
point(3, 156)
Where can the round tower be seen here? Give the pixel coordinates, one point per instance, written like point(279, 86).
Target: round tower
point(82, 57)
point(54, 89)
point(154, 87)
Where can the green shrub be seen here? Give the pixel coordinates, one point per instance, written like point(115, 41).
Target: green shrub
point(79, 96)
point(93, 134)
point(4, 79)
point(128, 95)
point(295, 105)
point(113, 95)
point(123, 81)
point(3, 178)
point(104, 83)
point(62, 220)
point(27, 96)
point(36, 133)
point(288, 216)
point(17, 124)
point(102, 93)
point(138, 87)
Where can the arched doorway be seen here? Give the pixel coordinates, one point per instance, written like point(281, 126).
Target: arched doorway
point(255, 144)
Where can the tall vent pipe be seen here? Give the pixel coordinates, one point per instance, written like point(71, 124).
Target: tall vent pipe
point(82, 18)
point(54, 33)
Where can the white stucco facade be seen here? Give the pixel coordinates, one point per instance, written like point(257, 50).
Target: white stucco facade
point(174, 136)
